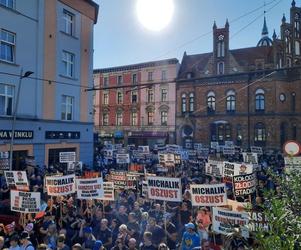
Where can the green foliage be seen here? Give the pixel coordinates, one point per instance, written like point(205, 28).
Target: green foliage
point(283, 212)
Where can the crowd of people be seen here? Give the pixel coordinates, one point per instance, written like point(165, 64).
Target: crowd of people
point(131, 221)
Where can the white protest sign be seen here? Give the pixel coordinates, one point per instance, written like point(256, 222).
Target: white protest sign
point(75, 166)
point(223, 221)
point(4, 160)
point(66, 157)
point(208, 195)
point(214, 144)
point(119, 178)
point(214, 168)
point(228, 150)
point(167, 160)
point(122, 158)
point(165, 189)
point(143, 149)
point(238, 206)
point(25, 202)
point(89, 188)
point(108, 191)
point(17, 179)
point(244, 184)
point(232, 169)
point(250, 158)
point(257, 150)
point(144, 189)
point(108, 153)
point(229, 144)
point(60, 185)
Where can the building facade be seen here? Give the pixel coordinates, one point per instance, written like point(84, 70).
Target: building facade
point(250, 96)
point(53, 113)
point(140, 111)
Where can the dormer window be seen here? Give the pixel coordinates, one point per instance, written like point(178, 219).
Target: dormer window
point(220, 68)
point(189, 75)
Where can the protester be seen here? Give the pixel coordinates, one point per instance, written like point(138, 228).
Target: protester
point(190, 238)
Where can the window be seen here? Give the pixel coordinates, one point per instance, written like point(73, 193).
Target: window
point(8, 3)
point(260, 133)
point(259, 100)
point(106, 98)
point(294, 131)
point(105, 119)
point(67, 108)
point(183, 103)
point(7, 48)
point(134, 119)
point(164, 75)
point(211, 102)
point(189, 75)
point(228, 132)
point(230, 101)
point(163, 117)
point(6, 99)
point(68, 62)
point(288, 47)
point(297, 48)
point(134, 96)
point(105, 81)
point(119, 119)
point(220, 68)
point(297, 26)
point(220, 46)
point(238, 134)
point(119, 97)
point(119, 80)
point(150, 117)
point(150, 95)
point(293, 102)
point(163, 95)
point(288, 62)
point(220, 132)
point(191, 102)
point(68, 18)
point(150, 76)
point(134, 78)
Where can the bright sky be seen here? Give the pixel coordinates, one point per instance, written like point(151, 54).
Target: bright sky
point(120, 39)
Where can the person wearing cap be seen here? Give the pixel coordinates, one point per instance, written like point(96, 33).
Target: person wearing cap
point(190, 238)
point(61, 243)
point(25, 243)
point(14, 243)
point(88, 238)
point(98, 245)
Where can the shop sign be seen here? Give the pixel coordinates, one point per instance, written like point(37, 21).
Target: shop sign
point(62, 135)
point(18, 135)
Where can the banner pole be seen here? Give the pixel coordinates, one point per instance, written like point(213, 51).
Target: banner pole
point(165, 226)
point(214, 241)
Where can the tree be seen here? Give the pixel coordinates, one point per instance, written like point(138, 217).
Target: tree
point(282, 209)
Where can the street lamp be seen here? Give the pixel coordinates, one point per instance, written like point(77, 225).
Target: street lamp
point(26, 74)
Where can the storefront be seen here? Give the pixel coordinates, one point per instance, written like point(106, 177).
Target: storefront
point(147, 138)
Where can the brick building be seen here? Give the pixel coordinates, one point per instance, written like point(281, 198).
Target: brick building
point(250, 96)
point(134, 114)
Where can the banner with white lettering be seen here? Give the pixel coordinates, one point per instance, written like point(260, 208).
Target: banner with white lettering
point(244, 184)
point(17, 180)
point(214, 168)
point(25, 202)
point(108, 191)
point(223, 221)
point(89, 188)
point(60, 185)
point(167, 160)
point(165, 189)
point(257, 221)
point(122, 158)
point(208, 195)
point(250, 158)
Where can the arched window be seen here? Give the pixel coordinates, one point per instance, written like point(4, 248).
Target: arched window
point(211, 102)
point(297, 25)
point(297, 48)
point(260, 133)
point(230, 101)
point(183, 103)
point(293, 102)
point(228, 134)
point(220, 68)
point(191, 102)
point(288, 45)
point(259, 100)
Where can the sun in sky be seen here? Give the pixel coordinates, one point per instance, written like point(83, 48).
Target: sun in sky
point(155, 15)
